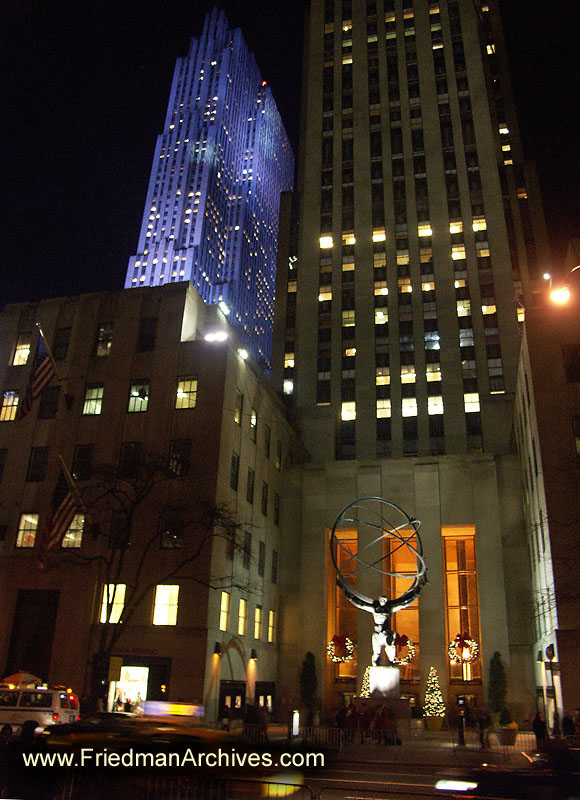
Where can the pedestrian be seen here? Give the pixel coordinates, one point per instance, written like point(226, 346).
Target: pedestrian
point(483, 721)
point(351, 723)
point(540, 730)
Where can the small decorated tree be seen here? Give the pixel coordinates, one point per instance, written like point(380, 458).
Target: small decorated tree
point(434, 703)
point(497, 686)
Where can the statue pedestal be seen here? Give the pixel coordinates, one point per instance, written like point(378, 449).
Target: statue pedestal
point(384, 682)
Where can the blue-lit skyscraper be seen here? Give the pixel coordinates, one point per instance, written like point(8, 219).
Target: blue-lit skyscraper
point(211, 214)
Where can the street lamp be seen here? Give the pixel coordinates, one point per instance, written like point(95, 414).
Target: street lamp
point(560, 293)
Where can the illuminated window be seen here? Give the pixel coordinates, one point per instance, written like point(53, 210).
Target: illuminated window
point(326, 242)
point(271, 625)
point(257, 622)
point(21, 351)
point(383, 408)
point(383, 376)
point(348, 238)
point(460, 283)
point(433, 372)
point(225, 612)
point(242, 616)
point(521, 312)
point(463, 308)
point(288, 386)
point(408, 373)
point(349, 351)
point(424, 229)
point(253, 424)
point(428, 286)
point(112, 602)
point(471, 402)
point(9, 406)
point(401, 564)
point(74, 535)
point(461, 594)
point(239, 409)
point(345, 614)
point(138, 396)
point(409, 407)
point(381, 288)
point(288, 359)
point(27, 527)
point(381, 316)
point(488, 309)
point(165, 608)
point(379, 235)
point(457, 252)
point(435, 405)
point(186, 396)
point(348, 411)
point(456, 227)
point(402, 257)
point(348, 318)
point(93, 402)
point(404, 285)
point(479, 224)
point(292, 285)
point(325, 294)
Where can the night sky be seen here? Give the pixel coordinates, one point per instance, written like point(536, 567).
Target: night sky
point(86, 89)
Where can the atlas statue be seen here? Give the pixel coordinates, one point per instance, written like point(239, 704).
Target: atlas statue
point(390, 530)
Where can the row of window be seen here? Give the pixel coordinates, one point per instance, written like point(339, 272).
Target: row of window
point(253, 429)
point(250, 486)
point(242, 622)
point(146, 338)
point(139, 390)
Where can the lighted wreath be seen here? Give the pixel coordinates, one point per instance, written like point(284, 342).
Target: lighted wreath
point(400, 642)
point(341, 644)
point(463, 650)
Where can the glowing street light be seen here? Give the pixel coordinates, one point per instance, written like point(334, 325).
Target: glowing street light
point(560, 294)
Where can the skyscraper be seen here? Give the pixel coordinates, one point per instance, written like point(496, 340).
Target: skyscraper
point(211, 213)
point(399, 314)
point(409, 250)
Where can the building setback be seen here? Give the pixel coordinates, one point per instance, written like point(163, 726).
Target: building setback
point(409, 248)
point(144, 405)
point(211, 212)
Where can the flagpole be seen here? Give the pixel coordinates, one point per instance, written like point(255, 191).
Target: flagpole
point(53, 362)
point(72, 485)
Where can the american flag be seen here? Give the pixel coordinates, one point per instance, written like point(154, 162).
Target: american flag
point(63, 507)
point(42, 373)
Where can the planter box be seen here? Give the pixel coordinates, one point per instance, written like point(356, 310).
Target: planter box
point(506, 736)
point(433, 723)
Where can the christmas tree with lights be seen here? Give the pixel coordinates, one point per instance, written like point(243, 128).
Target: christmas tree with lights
point(434, 704)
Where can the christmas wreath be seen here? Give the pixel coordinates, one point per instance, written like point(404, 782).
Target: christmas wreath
point(463, 650)
point(340, 644)
point(400, 642)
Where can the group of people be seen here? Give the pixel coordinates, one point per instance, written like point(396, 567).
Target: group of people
point(362, 721)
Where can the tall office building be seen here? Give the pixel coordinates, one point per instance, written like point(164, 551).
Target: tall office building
point(399, 302)
point(408, 254)
point(211, 213)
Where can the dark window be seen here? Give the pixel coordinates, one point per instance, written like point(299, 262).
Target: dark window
point(253, 424)
point(3, 532)
point(235, 471)
point(575, 427)
point(2, 461)
point(147, 334)
point(130, 459)
point(276, 508)
point(48, 405)
point(267, 440)
point(247, 555)
point(571, 354)
point(171, 530)
point(264, 498)
point(274, 566)
point(278, 454)
point(61, 343)
point(104, 339)
point(250, 485)
point(261, 559)
point(119, 530)
point(37, 464)
point(82, 466)
point(179, 455)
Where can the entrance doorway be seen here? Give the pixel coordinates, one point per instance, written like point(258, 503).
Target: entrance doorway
point(232, 699)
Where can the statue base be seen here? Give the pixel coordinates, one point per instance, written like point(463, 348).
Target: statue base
point(384, 682)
